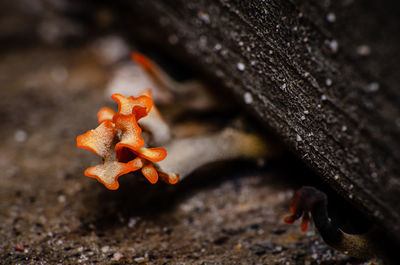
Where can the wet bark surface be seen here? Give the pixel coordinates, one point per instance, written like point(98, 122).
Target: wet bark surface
point(323, 75)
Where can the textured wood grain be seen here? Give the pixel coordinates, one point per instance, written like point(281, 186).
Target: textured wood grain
point(323, 76)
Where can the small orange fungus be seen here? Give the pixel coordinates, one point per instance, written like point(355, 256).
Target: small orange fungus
point(119, 142)
point(302, 204)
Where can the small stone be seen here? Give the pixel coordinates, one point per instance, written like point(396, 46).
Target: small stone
point(248, 98)
point(105, 249)
point(20, 136)
point(333, 46)
point(278, 248)
point(140, 259)
point(204, 17)
point(372, 87)
point(19, 247)
point(298, 138)
point(61, 198)
point(241, 66)
point(328, 82)
point(331, 17)
point(117, 256)
point(363, 50)
point(132, 222)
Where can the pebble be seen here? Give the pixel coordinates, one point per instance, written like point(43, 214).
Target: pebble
point(204, 17)
point(140, 259)
point(363, 50)
point(19, 247)
point(241, 66)
point(217, 47)
point(331, 17)
point(333, 46)
point(372, 87)
point(248, 98)
point(20, 136)
point(328, 82)
point(61, 198)
point(105, 249)
point(132, 222)
point(117, 256)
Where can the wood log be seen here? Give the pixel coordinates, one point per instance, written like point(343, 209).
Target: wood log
point(324, 76)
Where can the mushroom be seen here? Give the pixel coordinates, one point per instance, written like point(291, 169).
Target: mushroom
point(310, 202)
point(118, 140)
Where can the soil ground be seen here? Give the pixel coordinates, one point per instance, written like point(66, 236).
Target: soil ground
point(50, 213)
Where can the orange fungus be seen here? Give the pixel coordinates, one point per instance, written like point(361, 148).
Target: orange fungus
point(119, 142)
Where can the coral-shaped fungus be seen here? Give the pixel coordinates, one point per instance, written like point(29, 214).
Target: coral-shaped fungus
point(119, 142)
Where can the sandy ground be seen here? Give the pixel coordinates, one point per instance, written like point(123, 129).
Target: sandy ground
point(50, 213)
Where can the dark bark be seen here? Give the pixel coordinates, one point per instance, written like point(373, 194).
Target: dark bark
point(323, 76)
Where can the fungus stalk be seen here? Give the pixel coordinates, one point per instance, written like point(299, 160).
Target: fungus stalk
point(309, 202)
point(188, 154)
point(125, 140)
point(200, 98)
point(129, 139)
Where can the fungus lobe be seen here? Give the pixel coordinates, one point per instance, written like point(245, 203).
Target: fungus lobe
point(119, 142)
